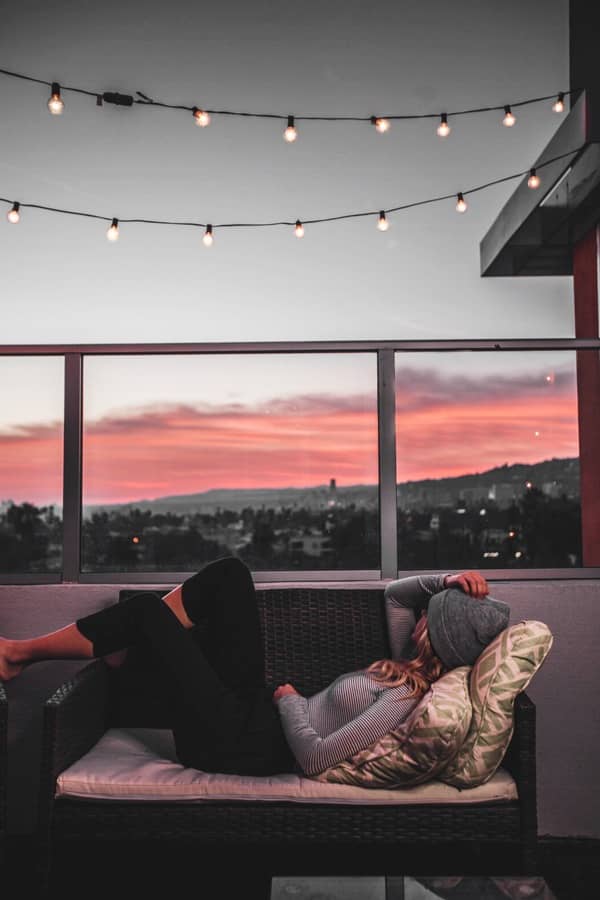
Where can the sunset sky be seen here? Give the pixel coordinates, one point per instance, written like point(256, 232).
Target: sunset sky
point(456, 413)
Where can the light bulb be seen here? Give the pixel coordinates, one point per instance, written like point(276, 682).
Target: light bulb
point(13, 214)
point(207, 240)
point(381, 125)
point(290, 134)
point(534, 180)
point(461, 203)
point(113, 231)
point(299, 229)
point(559, 105)
point(201, 116)
point(55, 103)
point(509, 119)
point(382, 222)
point(443, 128)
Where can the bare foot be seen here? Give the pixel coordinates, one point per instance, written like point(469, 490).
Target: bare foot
point(9, 666)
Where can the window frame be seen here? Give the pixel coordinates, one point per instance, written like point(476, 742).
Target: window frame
point(385, 351)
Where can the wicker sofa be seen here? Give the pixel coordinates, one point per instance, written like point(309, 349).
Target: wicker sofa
point(311, 635)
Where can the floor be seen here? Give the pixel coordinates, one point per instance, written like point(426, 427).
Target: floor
point(571, 868)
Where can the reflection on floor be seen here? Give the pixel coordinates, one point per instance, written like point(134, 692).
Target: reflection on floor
point(570, 868)
point(406, 887)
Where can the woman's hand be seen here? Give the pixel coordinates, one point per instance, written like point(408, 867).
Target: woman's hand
point(472, 583)
point(283, 691)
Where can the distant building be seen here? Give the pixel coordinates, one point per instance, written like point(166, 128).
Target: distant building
point(332, 501)
point(494, 535)
point(504, 493)
point(314, 544)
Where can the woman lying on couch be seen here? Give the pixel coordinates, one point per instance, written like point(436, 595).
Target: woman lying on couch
point(205, 638)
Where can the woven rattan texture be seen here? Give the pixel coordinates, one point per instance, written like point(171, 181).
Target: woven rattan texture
point(77, 714)
point(313, 635)
point(286, 823)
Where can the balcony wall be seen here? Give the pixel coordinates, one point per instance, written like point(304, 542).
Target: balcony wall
point(566, 691)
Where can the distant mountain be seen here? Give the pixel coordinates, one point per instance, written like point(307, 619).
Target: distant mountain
point(239, 498)
point(547, 471)
point(563, 473)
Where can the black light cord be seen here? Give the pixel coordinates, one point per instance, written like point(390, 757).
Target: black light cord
point(128, 100)
point(315, 221)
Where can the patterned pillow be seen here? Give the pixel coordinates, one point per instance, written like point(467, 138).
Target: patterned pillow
point(502, 671)
point(420, 747)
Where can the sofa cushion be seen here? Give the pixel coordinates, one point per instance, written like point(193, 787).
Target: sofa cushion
point(132, 764)
point(502, 671)
point(420, 747)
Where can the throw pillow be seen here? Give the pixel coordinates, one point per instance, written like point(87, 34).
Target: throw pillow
point(502, 671)
point(420, 747)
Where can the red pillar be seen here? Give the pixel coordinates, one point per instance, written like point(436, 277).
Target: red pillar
point(586, 259)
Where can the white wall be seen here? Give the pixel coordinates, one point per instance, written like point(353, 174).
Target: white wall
point(566, 691)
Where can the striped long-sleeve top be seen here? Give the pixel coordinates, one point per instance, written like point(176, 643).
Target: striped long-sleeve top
point(355, 709)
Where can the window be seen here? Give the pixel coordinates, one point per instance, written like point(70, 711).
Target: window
point(31, 448)
point(271, 457)
point(273, 454)
point(487, 460)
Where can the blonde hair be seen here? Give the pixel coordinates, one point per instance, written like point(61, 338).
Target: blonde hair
point(418, 673)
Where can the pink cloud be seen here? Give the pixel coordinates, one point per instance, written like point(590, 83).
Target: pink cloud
point(447, 425)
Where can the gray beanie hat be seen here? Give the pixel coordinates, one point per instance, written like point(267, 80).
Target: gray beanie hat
point(460, 627)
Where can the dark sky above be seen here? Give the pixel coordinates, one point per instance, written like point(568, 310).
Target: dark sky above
point(64, 282)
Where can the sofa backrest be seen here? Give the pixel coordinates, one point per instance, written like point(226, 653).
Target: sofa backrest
point(311, 635)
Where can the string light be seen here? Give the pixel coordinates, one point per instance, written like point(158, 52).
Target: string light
point(382, 222)
point(443, 128)
point(207, 240)
point(381, 125)
point(299, 229)
point(56, 103)
point(201, 116)
point(509, 119)
point(13, 214)
point(112, 232)
point(534, 180)
point(460, 197)
point(290, 134)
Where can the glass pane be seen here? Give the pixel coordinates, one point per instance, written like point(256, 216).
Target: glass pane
point(487, 460)
point(272, 458)
point(31, 460)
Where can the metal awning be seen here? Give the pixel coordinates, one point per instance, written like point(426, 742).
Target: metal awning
point(535, 231)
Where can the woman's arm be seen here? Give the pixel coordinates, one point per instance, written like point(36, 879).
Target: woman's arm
point(404, 599)
point(315, 753)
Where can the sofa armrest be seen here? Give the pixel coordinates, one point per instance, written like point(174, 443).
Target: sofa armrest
point(520, 756)
point(75, 718)
point(520, 760)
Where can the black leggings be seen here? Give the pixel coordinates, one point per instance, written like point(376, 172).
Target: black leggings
point(224, 716)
